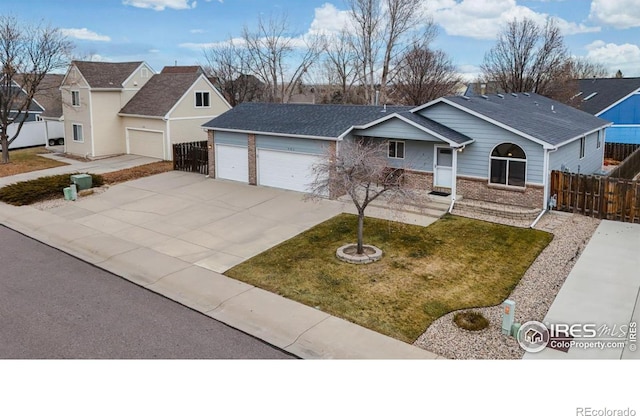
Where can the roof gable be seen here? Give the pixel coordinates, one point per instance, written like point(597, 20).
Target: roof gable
point(604, 93)
point(532, 116)
point(160, 94)
point(106, 74)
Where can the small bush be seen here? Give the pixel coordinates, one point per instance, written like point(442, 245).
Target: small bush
point(470, 320)
point(35, 190)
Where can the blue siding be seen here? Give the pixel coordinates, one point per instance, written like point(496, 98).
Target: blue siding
point(626, 112)
point(567, 157)
point(223, 137)
point(418, 155)
point(396, 129)
point(474, 160)
point(623, 134)
point(291, 144)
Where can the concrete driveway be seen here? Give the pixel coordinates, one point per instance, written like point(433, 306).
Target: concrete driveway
point(209, 223)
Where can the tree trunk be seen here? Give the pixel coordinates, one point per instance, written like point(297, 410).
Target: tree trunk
point(360, 248)
point(5, 148)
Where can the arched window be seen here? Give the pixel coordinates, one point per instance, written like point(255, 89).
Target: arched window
point(508, 165)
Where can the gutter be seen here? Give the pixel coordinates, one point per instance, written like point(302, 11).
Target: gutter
point(453, 201)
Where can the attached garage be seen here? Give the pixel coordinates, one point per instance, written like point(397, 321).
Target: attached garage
point(148, 143)
point(285, 170)
point(232, 162)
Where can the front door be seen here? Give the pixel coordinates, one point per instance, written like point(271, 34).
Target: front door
point(442, 167)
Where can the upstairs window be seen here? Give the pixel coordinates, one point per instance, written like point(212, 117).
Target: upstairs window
point(396, 149)
point(598, 140)
point(508, 165)
point(75, 98)
point(202, 99)
point(583, 145)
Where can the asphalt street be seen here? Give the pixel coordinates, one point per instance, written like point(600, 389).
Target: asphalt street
point(55, 306)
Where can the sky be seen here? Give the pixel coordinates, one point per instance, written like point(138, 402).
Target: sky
point(165, 32)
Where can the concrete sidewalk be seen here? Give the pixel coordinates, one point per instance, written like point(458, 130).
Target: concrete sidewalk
point(94, 166)
point(175, 233)
point(603, 288)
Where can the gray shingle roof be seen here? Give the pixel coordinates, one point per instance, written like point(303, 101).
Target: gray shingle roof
point(436, 127)
point(540, 117)
point(322, 120)
point(106, 74)
point(49, 95)
point(609, 91)
point(160, 94)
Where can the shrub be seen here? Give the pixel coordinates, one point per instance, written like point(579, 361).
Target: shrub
point(470, 320)
point(40, 189)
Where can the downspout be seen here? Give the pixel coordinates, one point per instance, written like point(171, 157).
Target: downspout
point(545, 202)
point(454, 173)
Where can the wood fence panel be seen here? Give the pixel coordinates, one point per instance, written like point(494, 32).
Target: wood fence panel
point(602, 197)
point(191, 157)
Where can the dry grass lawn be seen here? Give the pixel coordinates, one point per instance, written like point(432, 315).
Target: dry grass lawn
point(27, 160)
point(142, 171)
point(426, 272)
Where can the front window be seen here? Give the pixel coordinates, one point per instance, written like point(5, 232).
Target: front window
point(77, 133)
point(508, 165)
point(583, 145)
point(75, 98)
point(202, 99)
point(396, 149)
point(598, 141)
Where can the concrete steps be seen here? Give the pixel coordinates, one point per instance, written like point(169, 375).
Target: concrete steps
point(429, 205)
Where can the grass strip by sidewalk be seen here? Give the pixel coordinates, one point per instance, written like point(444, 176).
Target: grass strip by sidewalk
point(426, 272)
point(27, 160)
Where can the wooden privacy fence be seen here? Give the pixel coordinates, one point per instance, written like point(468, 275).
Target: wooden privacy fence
point(596, 196)
point(191, 157)
point(619, 151)
point(629, 168)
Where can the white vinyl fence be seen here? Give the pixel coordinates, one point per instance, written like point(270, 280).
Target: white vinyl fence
point(36, 133)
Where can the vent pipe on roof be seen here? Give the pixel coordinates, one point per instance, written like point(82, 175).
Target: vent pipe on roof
point(484, 96)
point(514, 94)
point(500, 95)
point(526, 94)
point(377, 97)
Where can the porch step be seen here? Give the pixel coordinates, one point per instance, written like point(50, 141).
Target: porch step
point(430, 205)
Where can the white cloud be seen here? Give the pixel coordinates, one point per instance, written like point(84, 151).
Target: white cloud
point(328, 20)
point(625, 57)
point(206, 45)
point(621, 14)
point(197, 31)
point(160, 5)
point(469, 73)
point(85, 34)
point(483, 19)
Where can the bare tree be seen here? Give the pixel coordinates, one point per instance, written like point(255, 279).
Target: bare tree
point(27, 54)
point(424, 75)
point(339, 66)
point(527, 57)
point(381, 27)
point(582, 68)
point(228, 65)
point(359, 169)
point(270, 53)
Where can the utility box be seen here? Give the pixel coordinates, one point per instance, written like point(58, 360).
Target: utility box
point(508, 316)
point(82, 181)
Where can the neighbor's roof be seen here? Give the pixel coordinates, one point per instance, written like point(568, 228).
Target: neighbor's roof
point(608, 92)
point(49, 95)
point(176, 69)
point(319, 120)
point(106, 74)
point(160, 94)
point(534, 115)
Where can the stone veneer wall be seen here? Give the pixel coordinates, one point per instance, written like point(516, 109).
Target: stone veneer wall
point(419, 180)
point(479, 189)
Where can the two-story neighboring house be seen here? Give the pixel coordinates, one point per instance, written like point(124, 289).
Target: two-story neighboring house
point(124, 107)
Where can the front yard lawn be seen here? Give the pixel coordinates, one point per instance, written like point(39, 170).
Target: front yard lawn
point(27, 160)
point(426, 272)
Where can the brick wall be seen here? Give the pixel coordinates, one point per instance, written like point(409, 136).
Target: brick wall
point(531, 197)
point(212, 154)
point(251, 151)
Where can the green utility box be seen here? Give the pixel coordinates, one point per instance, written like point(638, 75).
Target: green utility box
point(82, 181)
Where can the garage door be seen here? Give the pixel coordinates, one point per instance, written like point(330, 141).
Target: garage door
point(285, 170)
point(146, 143)
point(232, 162)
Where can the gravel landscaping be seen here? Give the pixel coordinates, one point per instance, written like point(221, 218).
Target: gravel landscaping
point(533, 295)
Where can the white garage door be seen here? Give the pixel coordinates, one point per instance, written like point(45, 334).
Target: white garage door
point(232, 162)
point(146, 143)
point(285, 170)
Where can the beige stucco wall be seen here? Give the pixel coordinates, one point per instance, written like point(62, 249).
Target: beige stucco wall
point(76, 115)
point(187, 106)
point(189, 130)
point(107, 125)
